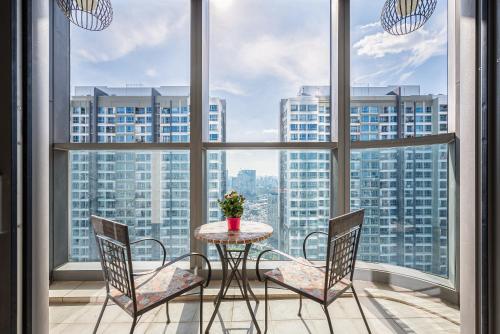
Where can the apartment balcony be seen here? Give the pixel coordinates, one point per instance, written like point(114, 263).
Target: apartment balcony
point(143, 114)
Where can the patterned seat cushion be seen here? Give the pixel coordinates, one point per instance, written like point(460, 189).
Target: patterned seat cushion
point(308, 280)
point(156, 287)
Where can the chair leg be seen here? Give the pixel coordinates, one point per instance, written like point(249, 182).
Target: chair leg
point(300, 306)
point(168, 313)
point(325, 308)
point(134, 323)
point(265, 306)
point(100, 315)
point(360, 309)
point(201, 309)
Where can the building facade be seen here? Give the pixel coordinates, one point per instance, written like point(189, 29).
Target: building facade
point(404, 190)
point(305, 175)
point(148, 191)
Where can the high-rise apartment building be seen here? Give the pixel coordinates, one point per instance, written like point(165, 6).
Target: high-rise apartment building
point(304, 175)
point(404, 190)
point(148, 190)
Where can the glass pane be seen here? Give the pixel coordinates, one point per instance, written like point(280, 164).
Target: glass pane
point(399, 83)
point(147, 190)
point(288, 189)
point(270, 62)
point(130, 82)
point(405, 194)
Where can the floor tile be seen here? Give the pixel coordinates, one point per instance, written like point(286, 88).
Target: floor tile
point(61, 289)
point(240, 311)
point(427, 325)
point(385, 312)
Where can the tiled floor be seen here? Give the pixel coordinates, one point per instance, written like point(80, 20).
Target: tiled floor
point(388, 309)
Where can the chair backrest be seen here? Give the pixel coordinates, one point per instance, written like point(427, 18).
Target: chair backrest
point(114, 249)
point(343, 240)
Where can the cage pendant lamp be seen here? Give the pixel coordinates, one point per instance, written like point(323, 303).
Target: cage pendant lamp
point(94, 15)
point(400, 17)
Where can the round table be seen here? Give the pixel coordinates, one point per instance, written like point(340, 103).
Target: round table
point(217, 234)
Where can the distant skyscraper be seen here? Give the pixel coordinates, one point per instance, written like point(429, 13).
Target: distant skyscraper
point(304, 175)
point(404, 190)
point(245, 183)
point(148, 190)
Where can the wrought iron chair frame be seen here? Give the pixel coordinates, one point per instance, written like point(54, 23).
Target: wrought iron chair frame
point(339, 227)
point(124, 245)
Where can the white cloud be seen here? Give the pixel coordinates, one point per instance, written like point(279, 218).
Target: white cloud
point(297, 60)
point(228, 87)
point(270, 131)
point(397, 57)
point(152, 72)
point(148, 25)
point(375, 24)
point(223, 5)
point(420, 45)
point(406, 76)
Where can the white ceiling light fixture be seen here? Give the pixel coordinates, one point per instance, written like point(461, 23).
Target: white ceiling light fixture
point(400, 17)
point(94, 15)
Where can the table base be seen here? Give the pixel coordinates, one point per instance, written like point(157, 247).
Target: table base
point(228, 259)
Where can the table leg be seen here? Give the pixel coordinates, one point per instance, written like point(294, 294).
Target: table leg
point(246, 285)
point(233, 264)
point(238, 275)
point(223, 285)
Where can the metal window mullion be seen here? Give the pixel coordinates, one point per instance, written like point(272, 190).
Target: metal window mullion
point(453, 212)
point(120, 146)
point(270, 146)
point(340, 100)
point(443, 138)
point(199, 120)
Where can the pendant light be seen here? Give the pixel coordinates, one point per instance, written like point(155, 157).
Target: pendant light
point(94, 15)
point(400, 17)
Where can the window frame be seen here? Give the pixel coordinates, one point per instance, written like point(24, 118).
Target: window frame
point(340, 144)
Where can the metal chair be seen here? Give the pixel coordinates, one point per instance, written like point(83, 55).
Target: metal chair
point(321, 283)
point(139, 293)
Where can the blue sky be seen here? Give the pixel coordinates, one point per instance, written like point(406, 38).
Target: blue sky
point(260, 52)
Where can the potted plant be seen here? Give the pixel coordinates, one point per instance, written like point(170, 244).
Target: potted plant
point(232, 207)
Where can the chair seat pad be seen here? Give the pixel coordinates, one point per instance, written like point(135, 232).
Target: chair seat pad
point(157, 287)
point(308, 280)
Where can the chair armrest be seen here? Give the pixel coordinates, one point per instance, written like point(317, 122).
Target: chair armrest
point(157, 241)
point(307, 237)
point(194, 254)
point(299, 261)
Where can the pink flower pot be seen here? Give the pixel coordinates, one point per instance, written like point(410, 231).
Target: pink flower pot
point(233, 224)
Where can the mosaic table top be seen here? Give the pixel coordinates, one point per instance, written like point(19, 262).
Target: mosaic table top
point(217, 233)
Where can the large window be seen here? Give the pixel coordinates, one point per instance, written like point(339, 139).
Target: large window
point(405, 194)
point(147, 190)
point(399, 88)
point(270, 61)
point(399, 83)
point(130, 84)
point(254, 82)
point(287, 189)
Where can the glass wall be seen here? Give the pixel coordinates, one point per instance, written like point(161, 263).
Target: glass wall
point(147, 190)
point(269, 59)
point(405, 194)
point(399, 84)
point(287, 189)
point(399, 91)
point(269, 126)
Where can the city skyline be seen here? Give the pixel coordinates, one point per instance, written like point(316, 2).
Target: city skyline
point(150, 190)
point(255, 64)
